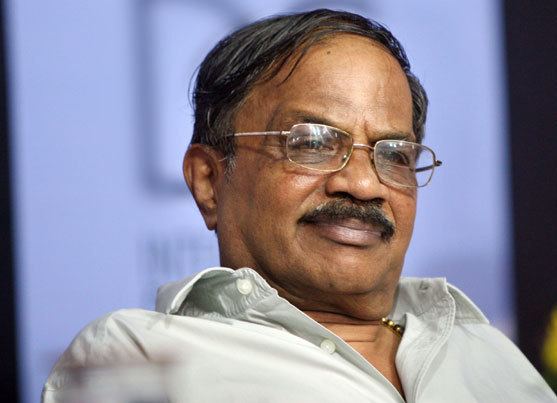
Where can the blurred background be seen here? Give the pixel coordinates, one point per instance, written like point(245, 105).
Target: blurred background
point(96, 117)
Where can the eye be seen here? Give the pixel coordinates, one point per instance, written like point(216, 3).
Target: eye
point(312, 143)
point(396, 157)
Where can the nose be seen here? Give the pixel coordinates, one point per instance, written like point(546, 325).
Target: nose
point(358, 178)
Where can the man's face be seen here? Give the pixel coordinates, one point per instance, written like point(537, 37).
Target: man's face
point(351, 83)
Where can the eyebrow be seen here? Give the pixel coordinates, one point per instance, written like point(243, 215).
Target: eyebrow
point(304, 117)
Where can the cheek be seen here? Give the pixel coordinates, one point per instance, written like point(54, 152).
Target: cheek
point(286, 183)
point(273, 193)
point(285, 196)
point(404, 212)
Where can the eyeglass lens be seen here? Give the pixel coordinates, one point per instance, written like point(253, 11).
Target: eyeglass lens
point(325, 148)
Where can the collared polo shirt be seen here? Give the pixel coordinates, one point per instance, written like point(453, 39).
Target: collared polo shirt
point(230, 337)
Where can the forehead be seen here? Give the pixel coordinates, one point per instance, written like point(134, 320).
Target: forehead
point(349, 81)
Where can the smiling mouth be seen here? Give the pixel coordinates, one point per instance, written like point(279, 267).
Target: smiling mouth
point(351, 232)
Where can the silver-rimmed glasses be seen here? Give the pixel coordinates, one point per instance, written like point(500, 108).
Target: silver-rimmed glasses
point(328, 149)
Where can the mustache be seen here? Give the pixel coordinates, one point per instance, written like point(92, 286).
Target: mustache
point(368, 212)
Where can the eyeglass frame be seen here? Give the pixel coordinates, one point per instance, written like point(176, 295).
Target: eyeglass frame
point(371, 151)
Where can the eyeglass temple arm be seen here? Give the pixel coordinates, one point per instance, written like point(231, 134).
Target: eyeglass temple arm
point(275, 133)
point(437, 163)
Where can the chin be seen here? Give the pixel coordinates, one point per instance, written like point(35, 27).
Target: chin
point(354, 277)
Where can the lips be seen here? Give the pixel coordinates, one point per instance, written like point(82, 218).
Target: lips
point(350, 232)
point(350, 223)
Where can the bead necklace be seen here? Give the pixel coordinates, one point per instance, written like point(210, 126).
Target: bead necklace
point(397, 329)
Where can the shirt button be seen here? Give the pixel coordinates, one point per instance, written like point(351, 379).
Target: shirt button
point(328, 346)
point(244, 286)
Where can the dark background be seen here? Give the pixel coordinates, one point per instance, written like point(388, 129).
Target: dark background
point(531, 44)
point(8, 337)
point(531, 32)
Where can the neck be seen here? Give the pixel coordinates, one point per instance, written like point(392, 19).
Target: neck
point(368, 306)
point(348, 328)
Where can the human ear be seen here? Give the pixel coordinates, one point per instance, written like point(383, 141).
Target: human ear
point(203, 171)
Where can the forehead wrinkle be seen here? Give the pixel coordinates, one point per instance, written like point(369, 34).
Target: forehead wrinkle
point(295, 116)
point(324, 114)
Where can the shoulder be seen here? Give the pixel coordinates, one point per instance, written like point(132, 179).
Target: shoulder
point(118, 327)
point(483, 352)
point(115, 337)
point(493, 365)
point(468, 356)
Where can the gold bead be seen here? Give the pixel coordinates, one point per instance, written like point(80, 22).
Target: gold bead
point(399, 330)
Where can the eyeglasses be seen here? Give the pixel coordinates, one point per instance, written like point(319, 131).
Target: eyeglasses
point(328, 149)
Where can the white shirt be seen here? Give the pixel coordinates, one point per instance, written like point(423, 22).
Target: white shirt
point(233, 339)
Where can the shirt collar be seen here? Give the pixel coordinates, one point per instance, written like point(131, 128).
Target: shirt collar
point(172, 295)
point(417, 296)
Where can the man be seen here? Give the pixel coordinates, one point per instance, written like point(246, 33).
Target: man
point(305, 160)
